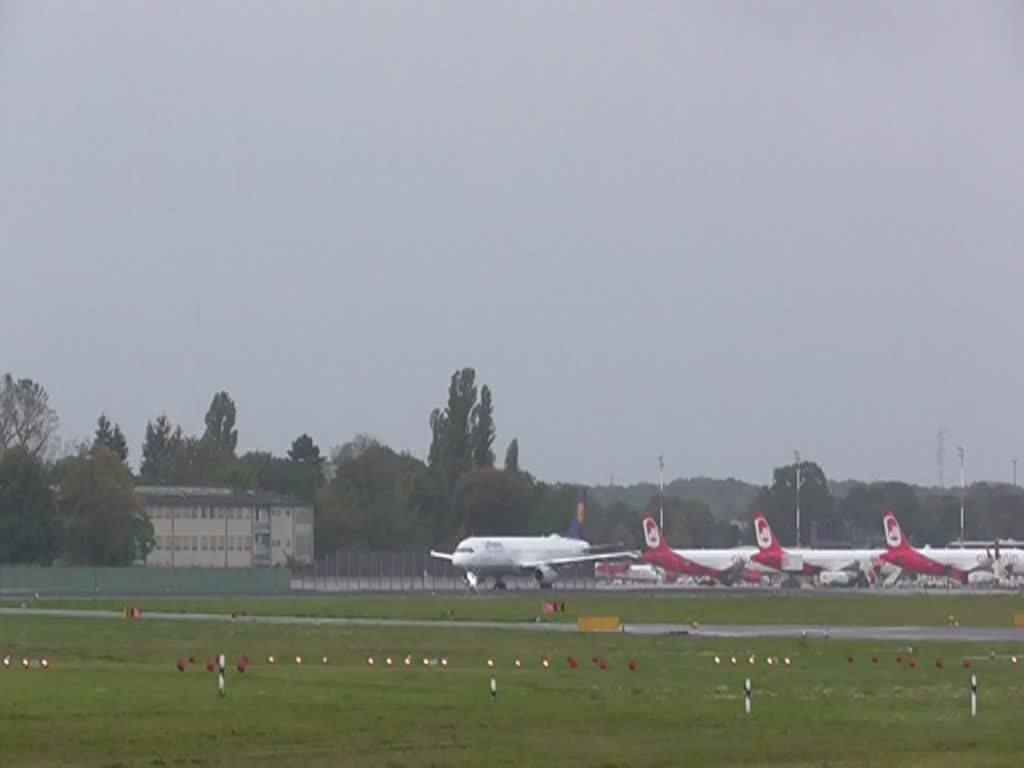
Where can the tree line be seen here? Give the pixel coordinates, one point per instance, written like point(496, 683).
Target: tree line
point(83, 508)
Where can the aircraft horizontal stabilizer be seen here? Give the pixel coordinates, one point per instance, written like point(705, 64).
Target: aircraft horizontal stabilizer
point(441, 555)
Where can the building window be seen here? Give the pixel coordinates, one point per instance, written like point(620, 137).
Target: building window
point(220, 543)
point(248, 542)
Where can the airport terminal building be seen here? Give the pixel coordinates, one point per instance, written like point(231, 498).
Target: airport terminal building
point(226, 528)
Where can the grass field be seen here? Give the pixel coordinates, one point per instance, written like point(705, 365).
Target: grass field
point(113, 697)
point(769, 608)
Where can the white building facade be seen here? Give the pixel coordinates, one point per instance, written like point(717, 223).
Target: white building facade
point(225, 528)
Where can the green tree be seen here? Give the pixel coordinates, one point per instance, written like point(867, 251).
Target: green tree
point(160, 449)
point(489, 501)
point(356, 447)
point(300, 475)
point(861, 511)
point(111, 436)
point(438, 427)
point(688, 523)
point(104, 519)
point(481, 428)
point(451, 448)
point(29, 531)
point(996, 511)
point(458, 414)
point(201, 461)
point(26, 418)
point(430, 507)
point(551, 508)
point(304, 449)
point(367, 503)
point(778, 504)
point(220, 424)
point(512, 456)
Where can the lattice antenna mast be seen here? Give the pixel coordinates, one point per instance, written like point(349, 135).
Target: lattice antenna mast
point(940, 456)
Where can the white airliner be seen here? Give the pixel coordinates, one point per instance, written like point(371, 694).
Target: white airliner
point(840, 567)
point(976, 566)
point(725, 566)
point(542, 556)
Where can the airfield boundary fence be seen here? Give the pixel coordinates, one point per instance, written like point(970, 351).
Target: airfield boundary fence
point(139, 580)
point(408, 571)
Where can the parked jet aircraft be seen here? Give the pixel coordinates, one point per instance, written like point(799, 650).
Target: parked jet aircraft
point(726, 566)
point(975, 565)
point(842, 567)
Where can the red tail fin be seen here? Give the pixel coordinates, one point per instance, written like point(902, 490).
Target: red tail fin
point(766, 540)
point(894, 538)
point(652, 534)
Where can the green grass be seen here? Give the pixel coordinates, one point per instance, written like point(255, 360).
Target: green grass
point(718, 608)
point(113, 697)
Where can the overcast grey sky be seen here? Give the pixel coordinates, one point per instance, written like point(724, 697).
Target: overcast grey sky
point(715, 230)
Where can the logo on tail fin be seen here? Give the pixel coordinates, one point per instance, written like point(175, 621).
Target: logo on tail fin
point(893, 534)
point(576, 523)
point(764, 533)
point(651, 533)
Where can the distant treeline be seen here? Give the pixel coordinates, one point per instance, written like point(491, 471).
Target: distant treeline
point(81, 507)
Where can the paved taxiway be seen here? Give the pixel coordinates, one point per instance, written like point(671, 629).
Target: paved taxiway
point(794, 631)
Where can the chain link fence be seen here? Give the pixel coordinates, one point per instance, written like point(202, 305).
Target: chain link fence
point(411, 571)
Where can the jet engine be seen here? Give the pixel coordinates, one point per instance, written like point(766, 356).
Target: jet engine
point(545, 575)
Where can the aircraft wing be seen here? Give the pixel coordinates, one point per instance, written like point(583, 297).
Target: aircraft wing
point(441, 555)
point(588, 558)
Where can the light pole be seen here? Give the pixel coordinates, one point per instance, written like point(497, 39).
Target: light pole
point(799, 483)
point(960, 453)
point(661, 492)
point(1014, 473)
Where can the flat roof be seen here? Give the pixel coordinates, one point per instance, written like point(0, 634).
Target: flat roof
point(177, 495)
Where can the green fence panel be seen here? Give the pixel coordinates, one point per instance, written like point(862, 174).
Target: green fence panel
point(70, 580)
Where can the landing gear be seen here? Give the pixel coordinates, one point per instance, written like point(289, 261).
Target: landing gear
point(498, 584)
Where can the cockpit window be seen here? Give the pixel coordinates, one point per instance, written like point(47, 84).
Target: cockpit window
point(465, 550)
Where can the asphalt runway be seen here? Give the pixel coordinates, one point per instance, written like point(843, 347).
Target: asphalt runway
point(664, 592)
point(753, 631)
